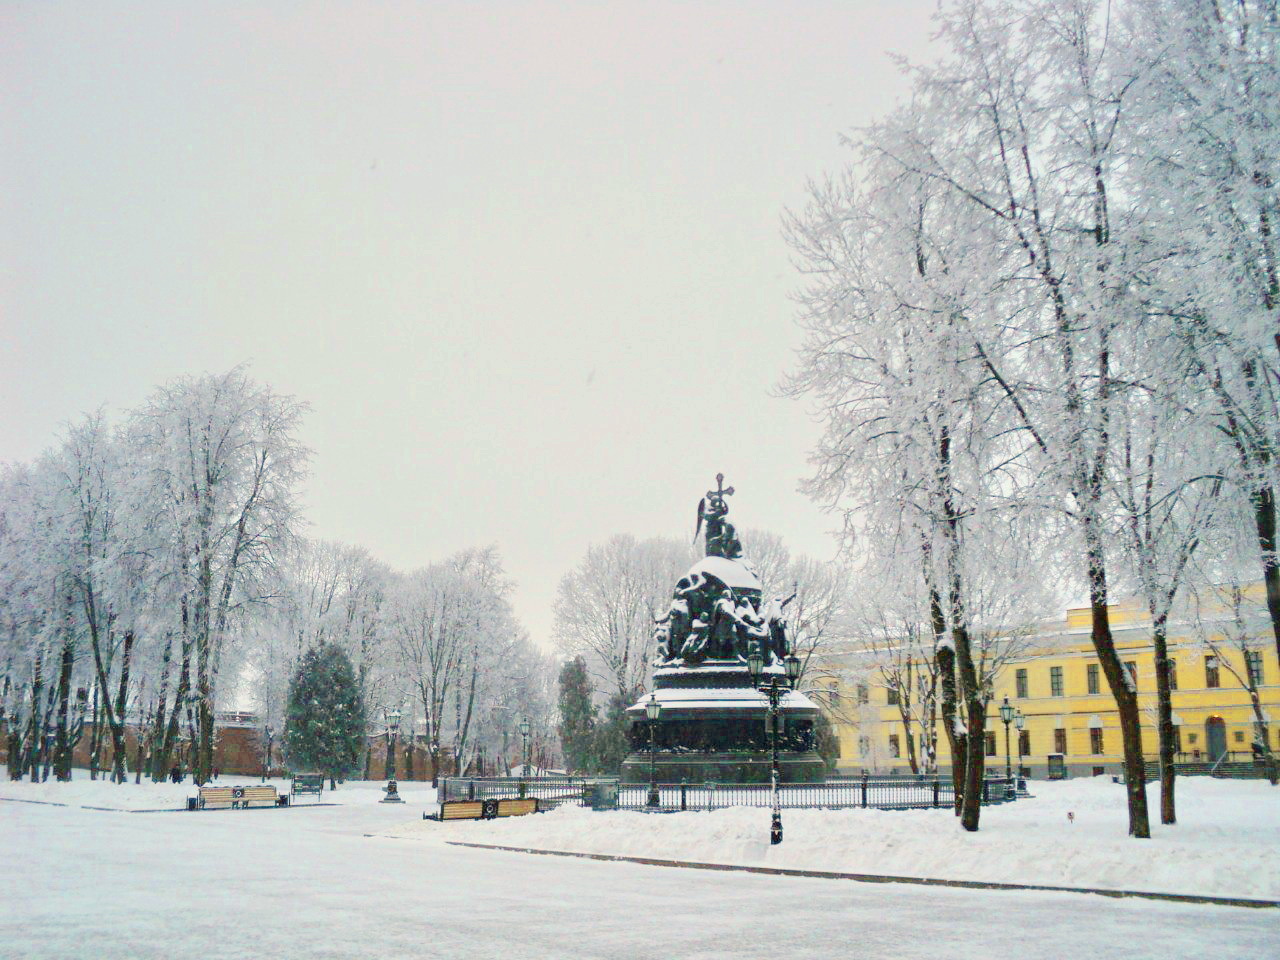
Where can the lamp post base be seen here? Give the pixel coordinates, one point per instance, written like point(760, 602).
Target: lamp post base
point(775, 830)
point(654, 800)
point(393, 795)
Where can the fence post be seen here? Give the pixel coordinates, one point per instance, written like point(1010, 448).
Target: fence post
point(864, 789)
point(985, 797)
point(684, 788)
point(935, 791)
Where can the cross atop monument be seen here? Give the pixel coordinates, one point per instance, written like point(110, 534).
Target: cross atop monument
point(720, 492)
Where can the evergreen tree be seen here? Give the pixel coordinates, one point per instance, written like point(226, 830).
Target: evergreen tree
point(325, 723)
point(577, 716)
point(827, 741)
point(611, 745)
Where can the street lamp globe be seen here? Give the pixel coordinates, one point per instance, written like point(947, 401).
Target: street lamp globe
point(793, 668)
point(394, 717)
point(1006, 711)
point(524, 727)
point(653, 708)
point(755, 665)
point(1019, 719)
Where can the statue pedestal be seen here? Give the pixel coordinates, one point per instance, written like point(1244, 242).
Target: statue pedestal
point(714, 727)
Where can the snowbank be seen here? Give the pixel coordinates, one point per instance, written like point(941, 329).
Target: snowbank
point(1226, 843)
point(104, 795)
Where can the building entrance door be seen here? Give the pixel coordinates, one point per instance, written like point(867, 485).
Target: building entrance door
point(1215, 735)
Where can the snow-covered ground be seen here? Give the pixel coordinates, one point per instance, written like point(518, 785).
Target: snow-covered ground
point(99, 794)
point(334, 882)
point(1227, 842)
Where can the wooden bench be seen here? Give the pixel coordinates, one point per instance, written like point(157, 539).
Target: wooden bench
point(237, 798)
point(303, 783)
point(216, 798)
point(488, 809)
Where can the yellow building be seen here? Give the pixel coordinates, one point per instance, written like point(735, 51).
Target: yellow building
point(1071, 726)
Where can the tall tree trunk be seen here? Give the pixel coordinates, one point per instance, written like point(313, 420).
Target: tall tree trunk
point(1164, 719)
point(201, 758)
point(164, 756)
point(31, 759)
point(1264, 515)
point(118, 746)
point(904, 712)
point(142, 755)
point(957, 741)
point(945, 657)
point(976, 725)
point(156, 765)
point(957, 615)
point(62, 743)
point(48, 753)
point(95, 735)
point(1118, 679)
point(202, 746)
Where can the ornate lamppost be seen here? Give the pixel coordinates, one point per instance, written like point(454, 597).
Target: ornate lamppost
point(653, 710)
point(266, 756)
point(524, 737)
point(1019, 721)
point(1006, 716)
point(774, 691)
point(393, 729)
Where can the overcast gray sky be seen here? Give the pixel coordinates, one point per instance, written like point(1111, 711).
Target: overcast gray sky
point(523, 259)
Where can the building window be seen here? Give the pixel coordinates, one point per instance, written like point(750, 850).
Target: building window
point(1092, 673)
point(1210, 671)
point(1024, 742)
point(891, 697)
point(1021, 678)
point(991, 744)
point(1173, 673)
point(894, 750)
point(1177, 739)
point(1059, 741)
point(864, 694)
point(1099, 771)
point(1253, 664)
point(1239, 734)
point(864, 746)
point(1055, 681)
point(1132, 667)
point(1095, 739)
point(1192, 738)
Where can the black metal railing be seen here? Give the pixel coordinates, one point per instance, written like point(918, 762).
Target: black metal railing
point(484, 788)
point(878, 793)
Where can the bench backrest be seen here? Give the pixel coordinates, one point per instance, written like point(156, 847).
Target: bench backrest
point(488, 809)
point(308, 783)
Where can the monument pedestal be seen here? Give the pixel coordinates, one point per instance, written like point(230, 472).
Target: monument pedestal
point(713, 726)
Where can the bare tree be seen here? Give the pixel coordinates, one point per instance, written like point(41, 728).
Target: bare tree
point(606, 607)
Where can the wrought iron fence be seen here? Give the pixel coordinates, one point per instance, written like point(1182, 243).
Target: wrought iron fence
point(879, 793)
point(544, 788)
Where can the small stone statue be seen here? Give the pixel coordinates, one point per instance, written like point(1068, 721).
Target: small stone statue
point(722, 539)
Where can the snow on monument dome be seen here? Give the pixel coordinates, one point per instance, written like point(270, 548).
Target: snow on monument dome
point(732, 573)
